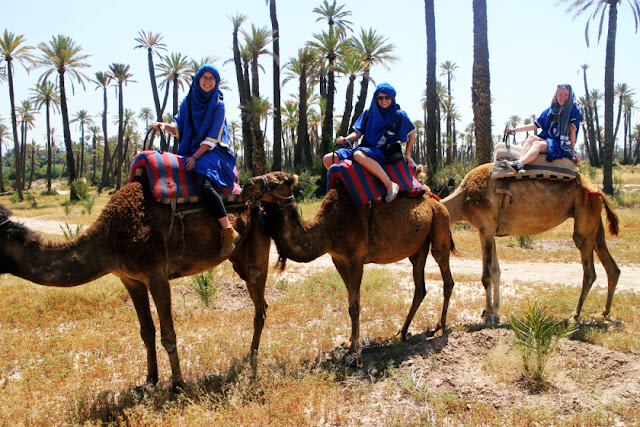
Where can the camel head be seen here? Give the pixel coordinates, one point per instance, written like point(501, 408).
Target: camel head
point(274, 187)
point(10, 232)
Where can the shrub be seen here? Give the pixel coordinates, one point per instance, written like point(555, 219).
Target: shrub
point(31, 199)
point(537, 337)
point(69, 233)
point(204, 286)
point(81, 188)
point(66, 205)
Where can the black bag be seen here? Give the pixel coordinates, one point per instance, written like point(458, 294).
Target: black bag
point(394, 153)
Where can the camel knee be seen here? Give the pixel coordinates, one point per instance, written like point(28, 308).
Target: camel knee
point(254, 273)
point(438, 256)
point(579, 240)
point(169, 346)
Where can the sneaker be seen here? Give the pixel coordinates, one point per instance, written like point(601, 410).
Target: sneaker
point(513, 166)
point(229, 238)
point(394, 192)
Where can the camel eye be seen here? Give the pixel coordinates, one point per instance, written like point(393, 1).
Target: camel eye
point(273, 185)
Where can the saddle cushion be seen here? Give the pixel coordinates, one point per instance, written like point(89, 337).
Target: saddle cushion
point(560, 169)
point(170, 179)
point(366, 189)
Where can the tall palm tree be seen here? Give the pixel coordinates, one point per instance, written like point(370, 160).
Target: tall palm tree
point(102, 81)
point(277, 119)
point(447, 70)
point(14, 48)
point(335, 16)
point(481, 86)
point(600, 7)
point(256, 42)
point(636, 133)
point(82, 117)
point(95, 137)
point(174, 69)
point(4, 135)
point(120, 73)
point(330, 47)
point(301, 67)
point(431, 101)
point(351, 65)
point(47, 94)
point(374, 50)
point(594, 158)
point(26, 115)
point(145, 114)
point(243, 90)
point(622, 92)
point(62, 55)
point(629, 106)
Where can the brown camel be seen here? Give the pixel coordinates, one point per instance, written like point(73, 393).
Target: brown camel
point(354, 236)
point(131, 239)
point(529, 206)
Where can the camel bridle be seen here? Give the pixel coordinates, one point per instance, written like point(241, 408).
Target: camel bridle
point(281, 201)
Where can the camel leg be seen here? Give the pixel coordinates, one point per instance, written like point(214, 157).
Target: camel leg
point(161, 293)
point(441, 251)
point(351, 274)
point(140, 297)
point(418, 260)
point(610, 266)
point(496, 276)
point(586, 244)
point(489, 261)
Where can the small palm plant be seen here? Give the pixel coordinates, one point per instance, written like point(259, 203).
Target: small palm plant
point(69, 233)
point(538, 336)
point(204, 286)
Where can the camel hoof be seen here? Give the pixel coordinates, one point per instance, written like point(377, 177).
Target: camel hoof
point(152, 380)
point(402, 335)
point(177, 387)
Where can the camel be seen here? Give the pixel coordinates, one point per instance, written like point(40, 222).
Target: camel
point(354, 236)
point(529, 206)
point(134, 238)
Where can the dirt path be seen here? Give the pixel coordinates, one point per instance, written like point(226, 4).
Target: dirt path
point(549, 272)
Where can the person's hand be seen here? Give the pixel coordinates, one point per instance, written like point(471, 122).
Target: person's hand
point(408, 159)
point(157, 125)
point(191, 163)
point(341, 140)
point(576, 159)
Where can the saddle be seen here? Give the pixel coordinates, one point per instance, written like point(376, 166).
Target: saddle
point(560, 169)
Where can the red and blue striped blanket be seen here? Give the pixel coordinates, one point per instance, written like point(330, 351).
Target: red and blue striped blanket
point(365, 188)
point(170, 179)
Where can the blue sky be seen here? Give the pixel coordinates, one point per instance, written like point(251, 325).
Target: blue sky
point(532, 46)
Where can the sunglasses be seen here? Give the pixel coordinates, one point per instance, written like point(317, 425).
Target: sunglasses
point(384, 97)
point(564, 86)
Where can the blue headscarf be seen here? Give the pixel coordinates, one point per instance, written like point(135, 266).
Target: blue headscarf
point(203, 106)
point(380, 119)
point(562, 112)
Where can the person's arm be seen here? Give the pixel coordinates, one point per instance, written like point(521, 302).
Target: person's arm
point(524, 128)
point(352, 137)
point(407, 150)
point(572, 137)
point(191, 161)
point(168, 127)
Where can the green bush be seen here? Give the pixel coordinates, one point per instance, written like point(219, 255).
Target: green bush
point(69, 233)
point(81, 188)
point(204, 286)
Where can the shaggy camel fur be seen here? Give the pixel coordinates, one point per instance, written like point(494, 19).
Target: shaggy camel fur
point(527, 207)
point(131, 239)
point(353, 236)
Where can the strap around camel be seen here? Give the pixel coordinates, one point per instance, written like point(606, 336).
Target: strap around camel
point(560, 169)
point(169, 178)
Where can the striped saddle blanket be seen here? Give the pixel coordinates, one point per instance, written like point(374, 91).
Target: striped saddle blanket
point(169, 178)
point(366, 190)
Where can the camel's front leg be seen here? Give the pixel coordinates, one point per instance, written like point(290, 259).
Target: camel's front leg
point(418, 260)
point(140, 297)
point(585, 242)
point(351, 274)
point(489, 263)
point(613, 272)
point(161, 293)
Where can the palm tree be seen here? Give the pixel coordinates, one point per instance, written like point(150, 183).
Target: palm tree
point(120, 73)
point(83, 118)
point(62, 55)
point(174, 70)
point(351, 65)
point(95, 136)
point(636, 133)
point(481, 87)
point(374, 49)
point(629, 106)
point(599, 8)
point(102, 81)
point(13, 48)
point(335, 17)
point(146, 114)
point(47, 94)
point(448, 68)
point(623, 92)
point(26, 114)
point(431, 101)
point(594, 159)
point(277, 119)
point(4, 134)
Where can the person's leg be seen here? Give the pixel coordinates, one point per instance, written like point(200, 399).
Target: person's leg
point(537, 147)
point(213, 201)
point(374, 167)
point(533, 146)
point(330, 159)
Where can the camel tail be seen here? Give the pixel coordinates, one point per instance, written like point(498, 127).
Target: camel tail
point(281, 264)
point(612, 217)
point(454, 251)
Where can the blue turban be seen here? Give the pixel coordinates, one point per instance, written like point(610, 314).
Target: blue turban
point(380, 119)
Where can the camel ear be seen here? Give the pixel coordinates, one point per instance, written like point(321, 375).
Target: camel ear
point(293, 180)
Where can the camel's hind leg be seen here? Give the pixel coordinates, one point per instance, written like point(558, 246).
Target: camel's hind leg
point(351, 273)
point(441, 251)
point(418, 260)
point(610, 266)
point(161, 293)
point(140, 297)
point(584, 238)
point(490, 276)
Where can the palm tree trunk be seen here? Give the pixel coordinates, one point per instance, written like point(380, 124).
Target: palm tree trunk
point(118, 169)
point(48, 147)
point(609, 68)
point(362, 96)
point(481, 85)
point(277, 116)
point(14, 127)
point(105, 155)
point(348, 106)
point(327, 123)
point(71, 167)
point(432, 106)
point(593, 152)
